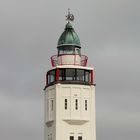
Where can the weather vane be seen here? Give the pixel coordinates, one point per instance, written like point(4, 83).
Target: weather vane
point(69, 17)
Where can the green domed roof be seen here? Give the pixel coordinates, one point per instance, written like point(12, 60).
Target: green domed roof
point(69, 37)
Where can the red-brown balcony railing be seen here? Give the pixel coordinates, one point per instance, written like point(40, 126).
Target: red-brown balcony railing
point(58, 60)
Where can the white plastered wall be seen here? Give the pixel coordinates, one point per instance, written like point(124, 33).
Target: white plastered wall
point(70, 122)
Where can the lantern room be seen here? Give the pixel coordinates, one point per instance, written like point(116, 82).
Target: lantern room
point(69, 49)
point(69, 64)
point(69, 99)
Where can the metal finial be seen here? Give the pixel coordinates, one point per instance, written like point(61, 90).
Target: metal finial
point(69, 17)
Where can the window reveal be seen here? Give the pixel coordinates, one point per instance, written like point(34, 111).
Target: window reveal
point(71, 137)
point(66, 103)
point(52, 105)
point(79, 137)
point(85, 104)
point(76, 104)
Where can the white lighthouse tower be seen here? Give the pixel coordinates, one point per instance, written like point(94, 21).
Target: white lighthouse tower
point(69, 97)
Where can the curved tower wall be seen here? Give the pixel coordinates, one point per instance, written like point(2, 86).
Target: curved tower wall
point(61, 123)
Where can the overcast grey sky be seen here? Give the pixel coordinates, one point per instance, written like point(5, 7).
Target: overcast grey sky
point(109, 31)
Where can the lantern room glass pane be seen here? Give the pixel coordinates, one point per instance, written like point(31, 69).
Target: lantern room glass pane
point(77, 51)
point(61, 74)
point(70, 74)
point(80, 75)
point(68, 50)
point(87, 76)
point(51, 76)
point(60, 51)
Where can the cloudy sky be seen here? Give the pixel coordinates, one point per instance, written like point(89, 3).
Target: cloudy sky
point(109, 31)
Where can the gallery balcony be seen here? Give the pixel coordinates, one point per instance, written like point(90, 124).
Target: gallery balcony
point(69, 59)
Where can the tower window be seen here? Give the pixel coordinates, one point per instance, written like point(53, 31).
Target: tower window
point(80, 75)
point(77, 51)
point(86, 76)
point(85, 104)
point(76, 104)
point(79, 137)
point(66, 103)
point(68, 50)
point(70, 74)
point(51, 104)
point(51, 76)
point(71, 137)
point(50, 136)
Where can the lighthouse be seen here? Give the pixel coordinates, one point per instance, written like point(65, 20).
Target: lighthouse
point(69, 93)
